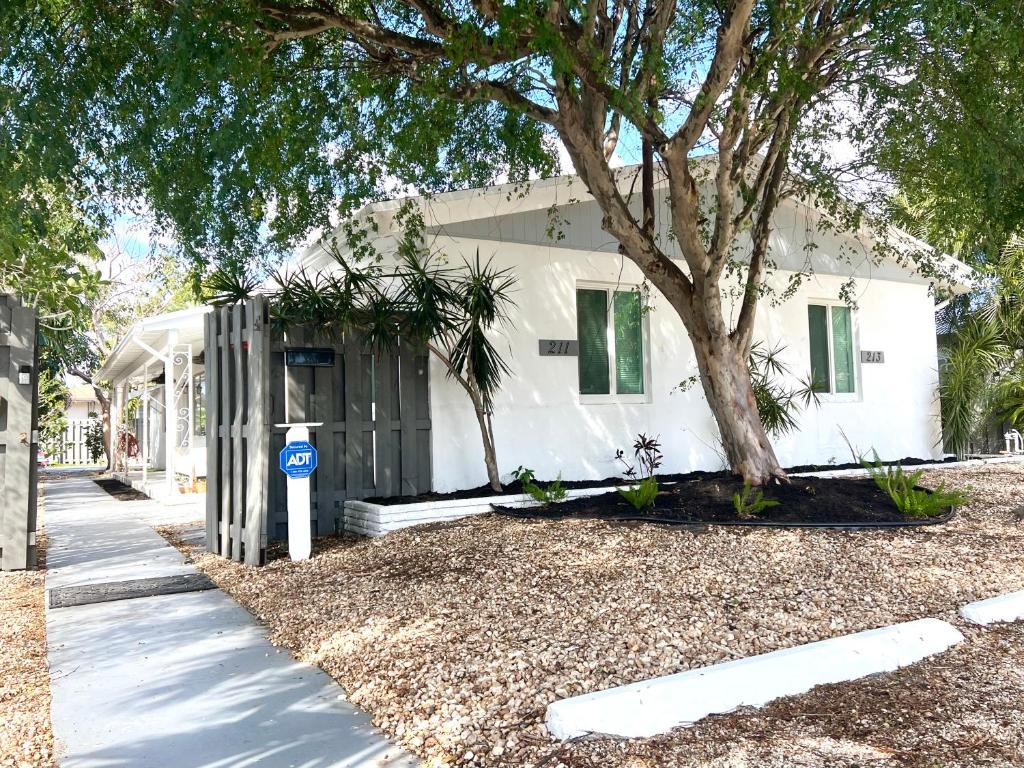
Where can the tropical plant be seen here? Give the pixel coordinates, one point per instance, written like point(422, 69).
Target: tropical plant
point(552, 493)
point(778, 404)
point(648, 457)
point(95, 443)
point(642, 495)
point(982, 375)
point(53, 401)
point(902, 488)
point(646, 453)
point(751, 501)
point(973, 358)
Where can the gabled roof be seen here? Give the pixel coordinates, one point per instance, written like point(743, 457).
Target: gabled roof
point(497, 200)
point(132, 353)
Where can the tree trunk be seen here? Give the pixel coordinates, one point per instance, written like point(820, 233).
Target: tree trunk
point(104, 402)
point(490, 455)
point(726, 380)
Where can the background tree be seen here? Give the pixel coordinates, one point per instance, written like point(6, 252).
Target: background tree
point(953, 147)
point(246, 124)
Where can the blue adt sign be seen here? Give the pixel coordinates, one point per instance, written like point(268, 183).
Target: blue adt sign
point(298, 460)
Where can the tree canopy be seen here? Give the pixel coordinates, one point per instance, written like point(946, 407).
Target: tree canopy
point(245, 125)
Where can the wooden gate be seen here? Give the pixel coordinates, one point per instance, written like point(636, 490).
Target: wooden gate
point(373, 438)
point(18, 434)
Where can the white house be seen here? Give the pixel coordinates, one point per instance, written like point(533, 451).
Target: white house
point(569, 413)
point(158, 401)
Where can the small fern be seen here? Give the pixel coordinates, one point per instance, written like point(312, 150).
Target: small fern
point(751, 502)
point(552, 493)
point(641, 496)
point(901, 487)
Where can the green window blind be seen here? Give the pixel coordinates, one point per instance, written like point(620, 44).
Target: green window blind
point(629, 352)
point(842, 348)
point(817, 322)
point(592, 332)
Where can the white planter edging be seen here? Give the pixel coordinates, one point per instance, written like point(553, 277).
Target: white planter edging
point(379, 519)
point(1009, 607)
point(656, 706)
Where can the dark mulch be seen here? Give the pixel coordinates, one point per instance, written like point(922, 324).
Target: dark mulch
point(119, 490)
point(811, 501)
point(515, 486)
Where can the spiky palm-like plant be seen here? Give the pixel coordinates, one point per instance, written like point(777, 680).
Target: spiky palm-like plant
point(778, 404)
point(451, 311)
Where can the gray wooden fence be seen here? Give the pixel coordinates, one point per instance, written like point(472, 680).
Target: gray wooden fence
point(18, 434)
point(374, 439)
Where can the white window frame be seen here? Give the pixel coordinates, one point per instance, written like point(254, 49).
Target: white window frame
point(830, 396)
point(645, 340)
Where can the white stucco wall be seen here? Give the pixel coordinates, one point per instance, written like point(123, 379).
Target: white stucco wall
point(540, 422)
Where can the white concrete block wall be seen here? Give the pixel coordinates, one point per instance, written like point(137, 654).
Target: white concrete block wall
point(540, 422)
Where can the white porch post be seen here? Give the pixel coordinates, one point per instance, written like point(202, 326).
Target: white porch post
point(113, 418)
point(170, 412)
point(145, 423)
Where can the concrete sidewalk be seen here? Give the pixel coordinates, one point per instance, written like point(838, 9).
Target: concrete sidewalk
point(177, 681)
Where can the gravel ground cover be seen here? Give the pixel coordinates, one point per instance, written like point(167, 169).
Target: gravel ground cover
point(25, 735)
point(456, 636)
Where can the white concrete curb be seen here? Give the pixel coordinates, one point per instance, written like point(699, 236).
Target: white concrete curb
point(655, 706)
point(1009, 607)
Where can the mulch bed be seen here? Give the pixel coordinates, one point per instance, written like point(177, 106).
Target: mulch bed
point(515, 487)
point(119, 490)
point(26, 738)
point(806, 501)
point(456, 636)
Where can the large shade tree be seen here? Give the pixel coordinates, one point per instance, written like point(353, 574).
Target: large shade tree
point(245, 124)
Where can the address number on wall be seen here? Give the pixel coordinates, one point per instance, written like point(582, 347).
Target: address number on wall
point(560, 347)
point(872, 357)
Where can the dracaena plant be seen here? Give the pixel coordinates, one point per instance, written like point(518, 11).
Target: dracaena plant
point(453, 312)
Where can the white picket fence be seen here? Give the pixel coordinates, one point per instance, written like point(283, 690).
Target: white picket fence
point(72, 449)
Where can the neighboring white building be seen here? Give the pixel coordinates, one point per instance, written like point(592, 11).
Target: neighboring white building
point(157, 377)
point(569, 414)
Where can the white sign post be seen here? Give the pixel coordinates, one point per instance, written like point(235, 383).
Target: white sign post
point(298, 461)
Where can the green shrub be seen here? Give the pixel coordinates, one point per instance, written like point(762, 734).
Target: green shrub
point(552, 493)
point(641, 496)
point(910, 500)
point(751, 502)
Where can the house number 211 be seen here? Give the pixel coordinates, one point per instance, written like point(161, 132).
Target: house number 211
point(559, 347)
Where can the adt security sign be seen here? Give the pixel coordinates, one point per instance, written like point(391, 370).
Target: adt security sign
point(298, 459)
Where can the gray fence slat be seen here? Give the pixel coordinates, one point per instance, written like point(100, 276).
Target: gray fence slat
point(353, 418)
point(255, 454)
point(407, 414)
point(213, 468)
point(384, 412)
point(235, 433)
point(224, 429)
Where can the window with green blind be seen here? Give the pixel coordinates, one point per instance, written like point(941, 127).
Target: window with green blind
point(609, 326)
point(830, 331)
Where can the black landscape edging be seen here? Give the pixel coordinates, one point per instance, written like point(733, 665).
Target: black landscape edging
point(514, 488)
point(518, 513)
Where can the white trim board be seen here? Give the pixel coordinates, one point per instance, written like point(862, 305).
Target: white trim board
point(656, 706)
